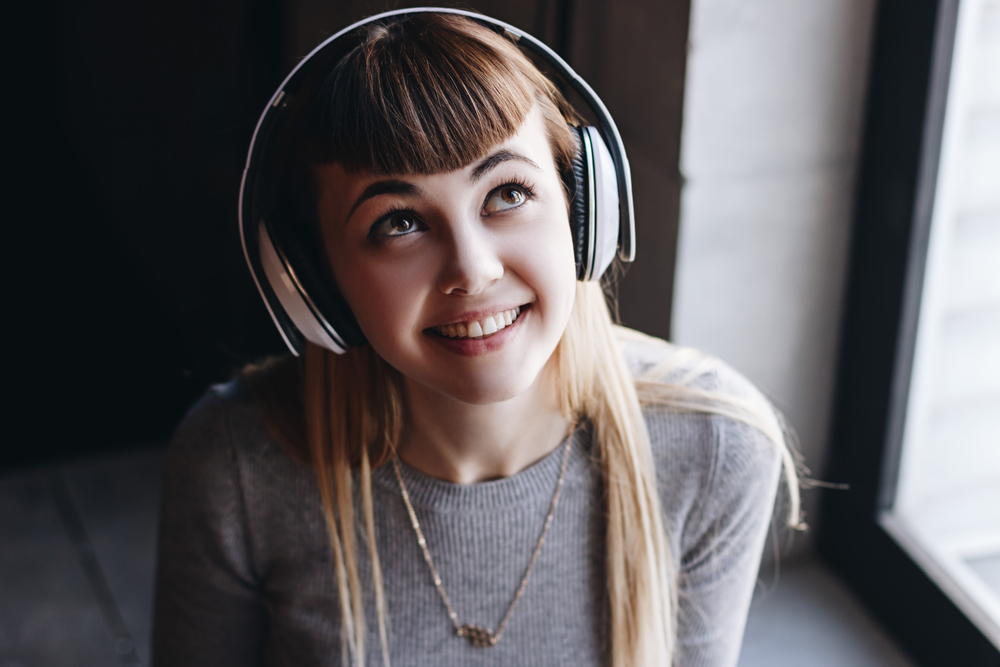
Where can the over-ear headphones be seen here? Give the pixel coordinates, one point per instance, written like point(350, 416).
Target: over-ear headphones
point(306, 305)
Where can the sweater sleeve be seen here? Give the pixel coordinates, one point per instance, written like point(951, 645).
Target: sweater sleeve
point(718, 480)
point(208, 610)
point(721, 544)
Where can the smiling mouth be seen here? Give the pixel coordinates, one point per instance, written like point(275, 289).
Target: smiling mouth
point(481, 328)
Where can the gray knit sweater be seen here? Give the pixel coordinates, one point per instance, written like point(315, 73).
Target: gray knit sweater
point(245, 575)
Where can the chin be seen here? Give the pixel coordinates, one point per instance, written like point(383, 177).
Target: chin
point(488, 390)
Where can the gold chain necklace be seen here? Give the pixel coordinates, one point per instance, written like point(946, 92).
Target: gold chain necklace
point(477, 634)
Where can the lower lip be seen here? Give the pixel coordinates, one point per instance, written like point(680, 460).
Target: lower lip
point(475, 347)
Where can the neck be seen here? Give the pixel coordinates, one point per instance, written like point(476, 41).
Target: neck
point(462, 443)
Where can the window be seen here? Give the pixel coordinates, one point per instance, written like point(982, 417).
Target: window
point(946, 510)
point(915, 427)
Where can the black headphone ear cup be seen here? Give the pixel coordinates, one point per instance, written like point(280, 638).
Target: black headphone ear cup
point(317, 281)
point(577, 181)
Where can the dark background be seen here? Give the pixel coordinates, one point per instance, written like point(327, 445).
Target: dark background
point(131, 124)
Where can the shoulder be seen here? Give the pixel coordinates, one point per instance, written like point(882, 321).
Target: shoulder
point(208, 429)
point(254, 415)
point(681, 380)
point(202, 457)
point(655, 360)
point(716, 440)
point(223, 445)
point(229, 480)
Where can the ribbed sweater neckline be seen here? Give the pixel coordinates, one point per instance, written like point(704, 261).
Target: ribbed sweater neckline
point(533, 484)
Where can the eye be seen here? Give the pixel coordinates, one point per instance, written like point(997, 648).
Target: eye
point(399, 223)
point(505, 198)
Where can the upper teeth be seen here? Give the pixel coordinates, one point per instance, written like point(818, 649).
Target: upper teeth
point(479, 328)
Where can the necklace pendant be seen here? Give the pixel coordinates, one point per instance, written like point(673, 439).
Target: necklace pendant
point(478, 635)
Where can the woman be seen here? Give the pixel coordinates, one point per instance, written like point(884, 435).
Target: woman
point(494, 472)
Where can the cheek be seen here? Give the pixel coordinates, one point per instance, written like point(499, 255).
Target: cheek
point(383, 299)
point(544, 260)
point(551, 258)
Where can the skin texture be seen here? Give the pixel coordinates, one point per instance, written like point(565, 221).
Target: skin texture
point(484, 238)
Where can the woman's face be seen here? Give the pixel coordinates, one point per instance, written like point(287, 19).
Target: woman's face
point(423, 261)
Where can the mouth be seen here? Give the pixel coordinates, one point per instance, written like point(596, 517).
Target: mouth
point(481, 328)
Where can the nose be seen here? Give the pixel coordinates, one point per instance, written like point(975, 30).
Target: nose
point(473, 262)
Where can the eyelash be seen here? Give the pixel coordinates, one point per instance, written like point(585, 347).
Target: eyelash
point(529, 189)
point(523, 184)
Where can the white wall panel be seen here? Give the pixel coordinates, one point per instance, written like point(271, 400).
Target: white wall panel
point(773, 108)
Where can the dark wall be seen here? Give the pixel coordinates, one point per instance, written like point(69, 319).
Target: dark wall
point(634, 54)
point(130, 293)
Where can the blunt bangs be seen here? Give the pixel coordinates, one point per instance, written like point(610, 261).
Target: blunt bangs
point(426, 94)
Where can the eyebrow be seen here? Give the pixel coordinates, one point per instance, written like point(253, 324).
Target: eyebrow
point(494, 160)
point(396, 187)
point(390, 187)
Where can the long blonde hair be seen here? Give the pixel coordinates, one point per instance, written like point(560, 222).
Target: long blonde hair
point(430, 94)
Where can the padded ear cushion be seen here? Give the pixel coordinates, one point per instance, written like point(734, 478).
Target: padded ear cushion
point(577, 185)
point(317, 280)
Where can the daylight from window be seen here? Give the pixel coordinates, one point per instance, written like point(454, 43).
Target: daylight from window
point(947, 507)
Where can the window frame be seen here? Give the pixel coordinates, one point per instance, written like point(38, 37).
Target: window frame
point(912, 49)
